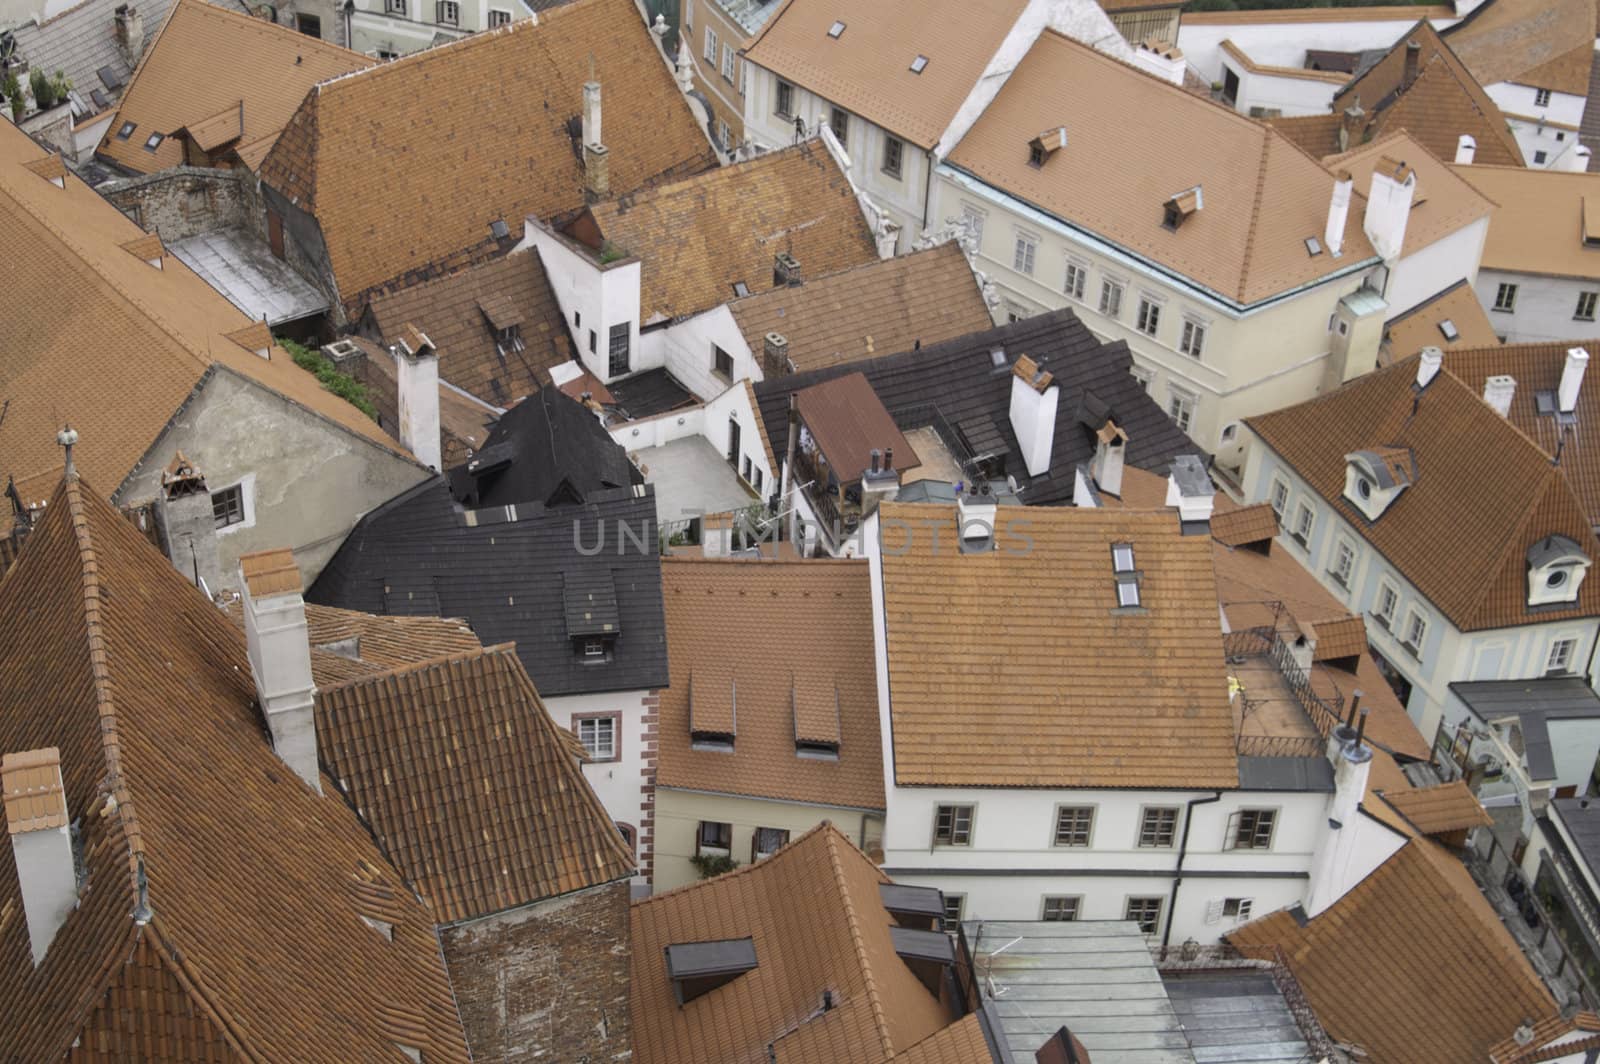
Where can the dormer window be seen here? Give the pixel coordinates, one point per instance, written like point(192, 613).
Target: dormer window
point(1035, 156)
point(509, 339)
point(1181, 207)
point(1374, 479)
point(1046, 144)
point(1556, 569)
point(126, 130)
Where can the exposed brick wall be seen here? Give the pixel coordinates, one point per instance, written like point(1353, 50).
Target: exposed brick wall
point(183, 201)
point(647, 818)
point(547, 982)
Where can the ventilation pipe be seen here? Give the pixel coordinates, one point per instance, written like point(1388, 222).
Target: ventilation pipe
point(1498, 392)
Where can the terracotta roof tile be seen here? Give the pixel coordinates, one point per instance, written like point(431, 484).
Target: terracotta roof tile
point(1539, 225)
point(1263, 195)
point(1420, 327)
point(452, 312)
point(963, 1042)
point(1472, 571)
point(94, 336)
point(878, 308)
point(1537, 368)
point(1445, 808)
point(697, 238)
point(145, 689)
point(208, 67)
point(1436, 108)
point(817, 682)
point(270, 572)
point(35, 798)
point(145, 248)
point(1545, 1032)
point(468, 784)
point(1246, 524)
point(1412, 965)
point(991, 635)
point(1405, 13)
point(867, 68)
point(1340, 637)
point(453, 112)
point(815, 918)
point(1547, 44)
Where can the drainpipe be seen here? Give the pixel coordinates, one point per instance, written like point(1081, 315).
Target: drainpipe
point(787, 483)
point(1177, 875)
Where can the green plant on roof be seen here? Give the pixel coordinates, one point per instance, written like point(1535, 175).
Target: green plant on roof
point(610, 253)
point(713, 864)
point(11, 89)
point(48, 91)
point(343, 385)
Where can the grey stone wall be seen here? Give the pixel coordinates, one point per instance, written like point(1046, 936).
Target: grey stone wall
point(184, 201)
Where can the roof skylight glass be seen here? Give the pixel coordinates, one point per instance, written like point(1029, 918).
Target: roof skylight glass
point(919, 64)
point(836, 30)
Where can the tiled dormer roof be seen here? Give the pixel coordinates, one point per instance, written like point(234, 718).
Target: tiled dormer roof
point(218, 922)
point(482, 124)
point(1461, 531)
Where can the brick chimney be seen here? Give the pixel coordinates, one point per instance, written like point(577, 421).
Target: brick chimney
point(1338, 213)
point(785, 270)
point(1106, 468)
point(1498, 392)
point(596, 164)
point(41, 842)
point(1334, 868)
point(417, 377)
point(280, 657)
point(1034, 395)
point(775, 356)
point(1351, 123)
point(1466, 149)
point(129, 32)
point(1572, 379)
point(1389, 207)
point(188, 524)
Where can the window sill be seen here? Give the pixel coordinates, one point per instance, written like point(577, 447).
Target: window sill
point(712, 851)
point(1299, 539)
point(1341, 581)
point(1416, 654)
point(1502, 310)
point(886, 172)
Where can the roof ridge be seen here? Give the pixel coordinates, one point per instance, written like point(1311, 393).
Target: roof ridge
point(921, 254)
point(406, 668)
point(1255, 213)
point(853, 924)
point(71, 493)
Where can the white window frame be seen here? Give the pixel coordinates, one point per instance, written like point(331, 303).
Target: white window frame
point(1505, 298)
point(1230, 841)
point(443, 8)
point(611, 748)
point(1075, 280)
point(730, 64)
point(956, 901)
point(1111, 293)
point(709, 52)
point(1055, 826)
point(972, 823)
point(1305, 524)
point(1586, 300)
point(1278, 497)
point(1145, 812)
point(1181, 407)
point(841, 130)
point(1541, 97)
point(1072, 903)
point(777, 99)
point(1342, 570)
point(247, 492)
point(1415, 621)
point(1025, 252)
point(1160, 905)
point(1192, 337)
point(1145, 377)
point(1387, 618)
point(499, 16)
point(1564, 648)
point(897, 171)
point(1148, 319)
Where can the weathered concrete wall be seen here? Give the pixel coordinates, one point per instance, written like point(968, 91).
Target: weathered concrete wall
point(306, 480)
point(184, 201)
point(546, 982)
point(54, 127)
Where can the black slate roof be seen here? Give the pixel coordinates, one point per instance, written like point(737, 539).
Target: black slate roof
point(506, 570)
point(1535, 703)
point(1581, 816)
point(969, 388)
point(550, 449)
point(655, 391)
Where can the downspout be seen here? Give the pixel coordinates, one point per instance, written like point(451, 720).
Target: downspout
point(927, 188)
point(788, 472)
point(1177, 874)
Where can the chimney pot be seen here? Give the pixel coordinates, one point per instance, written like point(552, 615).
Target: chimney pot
point(1466, 149)
point(888, 458)
point(785, 270)
point(41, 842)
point(279, 646)
point(1498, 391)
point(417, 387)
point(775, 355)
point(1428, 364)
point(1572, 379)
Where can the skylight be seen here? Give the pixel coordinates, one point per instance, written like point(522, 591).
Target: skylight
point(126, 131)
point(836, 30)
point(919, 64)
point(1127, 593)
point(741, 289)
point(1122, 557)
point(1313, 246)
point(1448, 329)
point(154, 142)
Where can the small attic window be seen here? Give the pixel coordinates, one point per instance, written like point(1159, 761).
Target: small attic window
point(498, 229)
point(1313, 246)
point(740, 289)
point(1449, 330)
point(154, 141)
point(1035, 155)
point(919, 64)
point(1556, 570)
point(1179, 208)
point(836, 30)
point(1046, 144)
point(127, 130)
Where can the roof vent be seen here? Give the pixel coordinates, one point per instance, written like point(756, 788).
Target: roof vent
point(836, 30)
point(785, 270)
point(919, 64)
point(697, 968)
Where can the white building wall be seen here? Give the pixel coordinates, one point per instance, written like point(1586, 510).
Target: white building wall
point(1284, 44)
point(593, 298)
point(687, 352)
point(1290, 95)
point(1426, 272)
point(1545, 306)
point(1446, 654)
point(375, 30)
point(712, 421)
point(619, 784)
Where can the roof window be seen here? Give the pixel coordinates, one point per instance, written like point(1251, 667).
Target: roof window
point(1046, 144)
point(154, 141)
point(836, 30)
point(697, 968)
point(1313, 246)
point(919, 64)
point(127, 130)
point(498, 229)
point(740, 289)
point(1448, 329)
point(929, 954)
point(917, 907)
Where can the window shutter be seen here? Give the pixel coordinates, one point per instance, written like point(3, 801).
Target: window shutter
point(1244, 908)
point(1231, 839)
point(1213, 910)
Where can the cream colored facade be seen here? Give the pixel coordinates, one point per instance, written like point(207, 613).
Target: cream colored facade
point(679, 814)
point(715, 43)
point(1251, 359)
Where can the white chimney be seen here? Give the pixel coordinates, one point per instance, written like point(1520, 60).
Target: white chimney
point(1335, 868)
point(1163, 60)
point(975, 516)
point(1428, 364)
point(1466, 149)
point(1578, 158)
point(1572, 379)
point(1498, 392)
point(1389, 206)
point(1106, 468)
point(417, 374)
point(591, 113)
point(41, 842)
point(280, 657)
point(1189, 489)
point(596, 164)
point(1034, 396)
point(1338, 212)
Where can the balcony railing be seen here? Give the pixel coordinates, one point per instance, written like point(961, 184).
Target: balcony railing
point(1322, 710)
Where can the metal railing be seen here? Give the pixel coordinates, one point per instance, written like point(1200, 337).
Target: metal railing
point(928, 415)
point(1192, 957)
point(1323, 711)
point(1278, 746)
